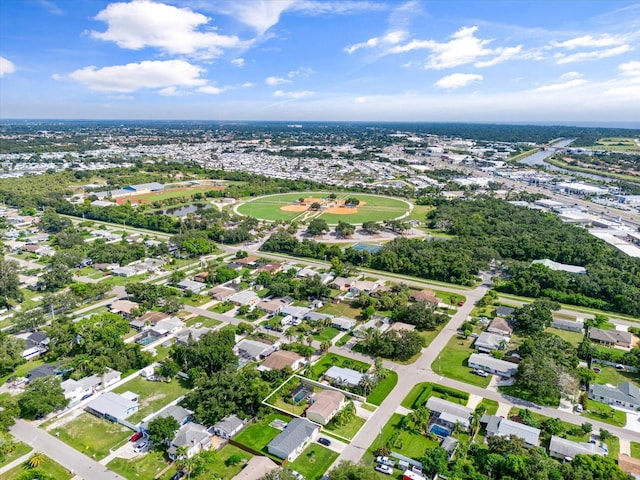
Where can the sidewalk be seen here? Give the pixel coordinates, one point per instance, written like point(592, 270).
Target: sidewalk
point(16, 462)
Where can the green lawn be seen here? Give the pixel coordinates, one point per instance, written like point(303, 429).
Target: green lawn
point(342, 309)
point(216, 465)
point(347, 431)
point(452, 362)
point(517, 392)
point(317, 370)
point(419, 212)
point(21, 449)
point(613, 444)
point(205, 321)
point(142, 467)
point(407, 442)
point(91, 435)
point(342, 341)
point(259, 434)
point(313, 462)
point(573, 338)
point(222, 307)
point(421, 392)
point(326, 334)
point(383, 388)
point(491, 406)
point(635, 450)
point(152, 395)
point(604, 413)
point(54, 469)
point(22, 370)
point(612, 375)
point(195, 300)
point(430, 335)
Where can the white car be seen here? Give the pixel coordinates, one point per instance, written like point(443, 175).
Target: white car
point(140, 447)
point(384, 469)
point(385, 461)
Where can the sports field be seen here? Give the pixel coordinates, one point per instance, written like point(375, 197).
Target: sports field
point(166, 194)
point(291, 206)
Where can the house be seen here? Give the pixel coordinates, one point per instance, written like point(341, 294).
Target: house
point(343, 323)
point(74, 391)
point(611, 338)
point(124, 272)
point(487, 342)
point(110, 377)
point(270, 268)
point(450, 445)
point(251, 350)
point(326, 404)
point(201, 277)
point(182, 338)
point(144, 187)
point(363, 286)
point(152, 318)
point(567, 450)
point(306, 273)
point(115, 408)
point(191, 286)
point(256, 468)
point(503, 428)
point(246, 297)
point(504, 312)
point(45, 370)
point(425, 295)
point(343, 284)
point(104, 267)
point(221, 293)
point(123, 307)
point(315, 317)
point(297, 313)
point(247, 261)
point(492, 365)
point(281, 359)
point(191, 435)
point(500, 326)
point(568, 325)
point(343, 376)
point(39, 341)
point(397, 326)
point(561, 267)
point(167, 326)
point(447, 413)
point(180, 414)
point(625, 395)
point(229, 426)
point(290, 443)
point(271, 307)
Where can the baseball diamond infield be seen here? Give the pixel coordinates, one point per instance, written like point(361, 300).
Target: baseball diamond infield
point(290, 206)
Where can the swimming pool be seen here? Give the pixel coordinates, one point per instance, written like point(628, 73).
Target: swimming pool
point(440, 431)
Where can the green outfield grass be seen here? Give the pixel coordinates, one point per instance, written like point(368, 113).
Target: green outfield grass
point(374, 208)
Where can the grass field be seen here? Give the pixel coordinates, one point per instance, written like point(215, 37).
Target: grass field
point(375, 208)
point(91, 435)
point(635, 450)
point(574, 338)
point(166, 194)
point(313, 462)
point(383, 388)
point(618, 144)
point(452, 362)
point(205, 321)
point(21, 449)
point(259, 434)
point(342, 309)
point(152, 395)
point(142, 467)
point(421, 392)
point(347, 431)
point(604, 413)
point(490, 406)
point(409, 443)
point(51, 468)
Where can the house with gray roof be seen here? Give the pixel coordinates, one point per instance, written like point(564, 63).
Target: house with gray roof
point(180, 414)
point(115, 408)
point(503, 428)
point(314, 317)
point(487, 342)
point(298, 313)
point(193, 436)
point(246, 297)
point(500, 326)
point(343, 376)
point(568, 325)
point(567, 449)
point(182, 338)
point(625, 395)
point(447, 413)
point(290, 443)
point(229, 426)
point(504, 311)
point(191, 286)
point(611, 338)
point(492, 365)
point(343, 323)
point(250, 350)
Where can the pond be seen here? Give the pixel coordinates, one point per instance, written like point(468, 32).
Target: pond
point(185, 210)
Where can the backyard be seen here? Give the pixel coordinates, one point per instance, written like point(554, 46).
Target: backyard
point(604, 413)
point(421, 392)
point(383, 388)
point(142, 466)
point(452, 362)
point(347, 431)
point(407, 442)
point(91, 435)
point(260, 433)
point(313, 462)
point(152, 396)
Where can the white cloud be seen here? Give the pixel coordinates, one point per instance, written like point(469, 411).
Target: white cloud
point(6, 67)
point(503, 54)
point(588, 41)
point(630, 69)
point(238, 62)
point(248, 85)
point(273, 81)
point(293, 95)
point(211, 90)
point(570, 75)
point(390, 39)
point(562, 59)
point(457, 80)
point(169, 92)
point(143, 23)
point(555, 87)
point(137, 76)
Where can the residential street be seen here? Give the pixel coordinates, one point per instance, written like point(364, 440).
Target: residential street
point(68, 457)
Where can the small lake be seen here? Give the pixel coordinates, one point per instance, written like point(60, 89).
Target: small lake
point(185, 210)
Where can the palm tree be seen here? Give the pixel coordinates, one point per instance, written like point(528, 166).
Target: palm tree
point(366, 383)
point(36, 460)
point(378, 370)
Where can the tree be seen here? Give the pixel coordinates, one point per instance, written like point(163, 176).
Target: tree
point(162, 430)
point(9, 283)
point(171, 305)
point(344, 229)
point(52, 222)
point(534, 317)
point(435, 461)
point(317, 226)
point(368, 312)
point(371, 227)
point(168, 369)
point(11, 349)
point(351, 471)
point(315, 206)
point(56, 277)
point(176, 277)
point(9, 410)
point(352, 201)
point(36, 460)
point(41, 397)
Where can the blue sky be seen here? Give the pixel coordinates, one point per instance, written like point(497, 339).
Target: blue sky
point(367, 60)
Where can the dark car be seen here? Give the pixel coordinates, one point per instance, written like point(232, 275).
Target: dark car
point(178, 476)
point(324, 441)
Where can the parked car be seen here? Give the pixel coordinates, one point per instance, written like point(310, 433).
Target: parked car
point(385, 461)
point(324, 441)
point(579, 408)
point(140, 447)
point(178, 475)
point(297, 475)
point(136, 436)
point(481, 373)
point(384, 469)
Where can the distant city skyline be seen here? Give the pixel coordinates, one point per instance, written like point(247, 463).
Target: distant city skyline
point(564, 62)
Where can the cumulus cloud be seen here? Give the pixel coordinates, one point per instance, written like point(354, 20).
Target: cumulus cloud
point(630, 69)
point(211, 90)
point(388, 40)
point(570, 75)
point(238, 62)
point(138, 76)
point(274, 81)
point(144, 23)
point(589, 41)
point(6, 67)
point(554, 87)
point(457, 80)
point(292, 95)
point(562, 59)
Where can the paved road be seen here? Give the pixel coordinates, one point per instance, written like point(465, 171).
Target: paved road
point(71, 459)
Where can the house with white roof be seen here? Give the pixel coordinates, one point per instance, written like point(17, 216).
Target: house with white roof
point(343, 376)
point(492, 365)
point(290, 443)
point(447, 413)
point(503, 428)
point(567, 449)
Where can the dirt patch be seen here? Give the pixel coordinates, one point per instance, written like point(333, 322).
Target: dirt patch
point(629, 465)
point(294, 208)
point(341, 210)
